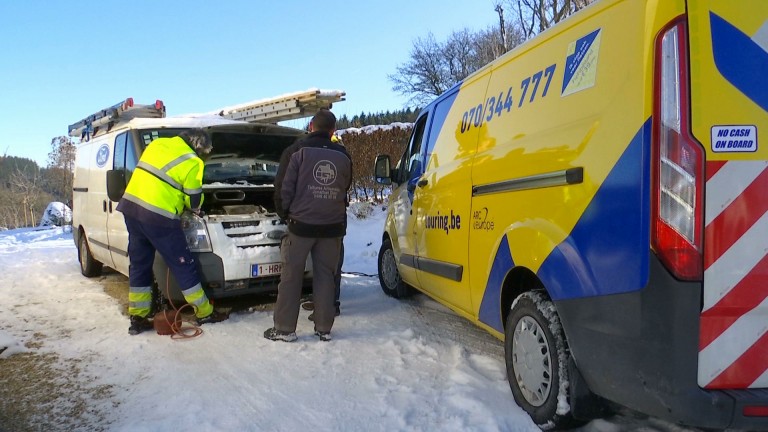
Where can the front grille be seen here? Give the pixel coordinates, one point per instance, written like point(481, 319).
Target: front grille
point(240, 224)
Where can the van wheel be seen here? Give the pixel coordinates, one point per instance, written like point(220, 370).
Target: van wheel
point(389, 276)
point(537, 358)
point(89, 266)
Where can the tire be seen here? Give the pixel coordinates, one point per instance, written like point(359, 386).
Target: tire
point(537, 356)
point(89, 266)
point(389, 277)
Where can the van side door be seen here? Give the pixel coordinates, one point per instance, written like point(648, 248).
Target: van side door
point(93, 160)
point(125, 160)
point(409, 170)
point(441, 204)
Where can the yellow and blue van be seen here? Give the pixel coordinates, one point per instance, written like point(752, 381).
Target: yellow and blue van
point(597, 198)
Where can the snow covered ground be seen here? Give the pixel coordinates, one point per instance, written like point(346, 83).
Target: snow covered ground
point(392, 365)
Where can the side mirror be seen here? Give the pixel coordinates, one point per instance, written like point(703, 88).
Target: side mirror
point(115, 184)
point(382, 170)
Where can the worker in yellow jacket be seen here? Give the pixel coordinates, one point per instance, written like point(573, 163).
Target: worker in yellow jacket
point(168, 179)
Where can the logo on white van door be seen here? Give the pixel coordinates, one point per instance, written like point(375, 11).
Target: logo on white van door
point(727, 139)
point(102, 156)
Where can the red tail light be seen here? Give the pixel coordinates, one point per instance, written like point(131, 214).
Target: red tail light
point(755, 411)
point(678, 161)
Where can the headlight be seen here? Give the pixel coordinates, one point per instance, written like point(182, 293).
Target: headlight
point(196, 232)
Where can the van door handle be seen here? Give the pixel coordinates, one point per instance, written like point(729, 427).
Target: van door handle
point(104, 206)
point(422, 182)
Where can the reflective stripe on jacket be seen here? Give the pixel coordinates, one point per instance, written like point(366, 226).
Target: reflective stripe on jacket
point(168, 178)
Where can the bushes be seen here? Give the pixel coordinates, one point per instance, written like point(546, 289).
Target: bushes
point(364, 145)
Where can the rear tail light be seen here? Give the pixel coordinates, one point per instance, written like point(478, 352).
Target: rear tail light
point(755, 411)
point(678, 162)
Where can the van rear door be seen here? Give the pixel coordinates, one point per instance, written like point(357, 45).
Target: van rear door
point(728, 56)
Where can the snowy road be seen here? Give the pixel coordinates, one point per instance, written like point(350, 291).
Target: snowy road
point(394, 366)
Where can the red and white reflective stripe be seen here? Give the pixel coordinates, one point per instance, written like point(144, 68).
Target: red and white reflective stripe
point(733, 343)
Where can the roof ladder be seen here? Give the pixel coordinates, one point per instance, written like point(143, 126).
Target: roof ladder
point(286, 107)
point(118, 113)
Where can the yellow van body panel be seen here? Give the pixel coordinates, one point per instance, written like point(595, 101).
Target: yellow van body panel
point(715, 100)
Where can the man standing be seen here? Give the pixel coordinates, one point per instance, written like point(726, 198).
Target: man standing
point(310, 305)
point(310, 194)
point(167, 179)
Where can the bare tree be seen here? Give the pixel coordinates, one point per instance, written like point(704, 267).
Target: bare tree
point(423, 76)
point(535, 16)
point(502, 28)
point(27, 192)
point(434, 67)
point(61, 164)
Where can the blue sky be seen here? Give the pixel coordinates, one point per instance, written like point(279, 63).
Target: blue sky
point(63, 60)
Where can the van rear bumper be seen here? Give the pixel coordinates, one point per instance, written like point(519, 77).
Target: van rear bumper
point(640, 350)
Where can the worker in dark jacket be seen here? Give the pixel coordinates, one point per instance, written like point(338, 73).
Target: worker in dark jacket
point(310, 194)
point(167, 180)
point(310, 305)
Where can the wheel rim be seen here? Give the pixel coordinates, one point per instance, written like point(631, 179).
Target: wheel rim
point(83, 253)
point(531, 361)
point(389, 269)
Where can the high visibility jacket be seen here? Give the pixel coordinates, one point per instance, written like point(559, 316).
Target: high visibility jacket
point(168, 178)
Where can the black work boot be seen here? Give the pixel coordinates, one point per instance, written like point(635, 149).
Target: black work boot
point(323, 336)
point(274, 334)
point(214, 317)
point(139, 324)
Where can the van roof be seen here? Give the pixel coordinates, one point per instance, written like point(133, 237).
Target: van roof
point(182, 121)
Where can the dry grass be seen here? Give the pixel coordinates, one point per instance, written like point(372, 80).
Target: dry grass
point(43, 392)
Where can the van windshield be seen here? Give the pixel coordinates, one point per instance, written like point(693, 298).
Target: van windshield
point(232, 169)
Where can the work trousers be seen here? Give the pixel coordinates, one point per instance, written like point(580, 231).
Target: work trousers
point(337, 276)
point(143, 240)
point(325, 258)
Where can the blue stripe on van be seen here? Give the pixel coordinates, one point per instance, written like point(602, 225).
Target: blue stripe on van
point(740, 60)
point(607, 250)
point(490, 310)
point(440, 109)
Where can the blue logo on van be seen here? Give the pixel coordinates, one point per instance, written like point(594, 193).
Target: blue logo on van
point(102, 156)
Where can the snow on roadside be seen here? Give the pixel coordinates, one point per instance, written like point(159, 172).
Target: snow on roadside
point(384, 370)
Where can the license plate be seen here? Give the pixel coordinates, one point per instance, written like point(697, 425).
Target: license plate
point(258, 270)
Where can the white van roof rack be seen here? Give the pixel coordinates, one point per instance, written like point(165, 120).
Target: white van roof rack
point(272, 110)
point(107, 118)
point(286, 107)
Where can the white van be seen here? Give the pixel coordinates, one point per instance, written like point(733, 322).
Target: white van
point(235, 242)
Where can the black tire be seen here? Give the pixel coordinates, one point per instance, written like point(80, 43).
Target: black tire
point(389, 276)
point(89, 266)
point(537, 357)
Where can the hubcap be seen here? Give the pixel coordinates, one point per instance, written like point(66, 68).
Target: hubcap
point(531, 361)
point(389, 269)
point(83, 253)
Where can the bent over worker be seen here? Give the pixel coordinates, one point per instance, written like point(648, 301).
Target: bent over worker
point(168, 179)
point(310, 194)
